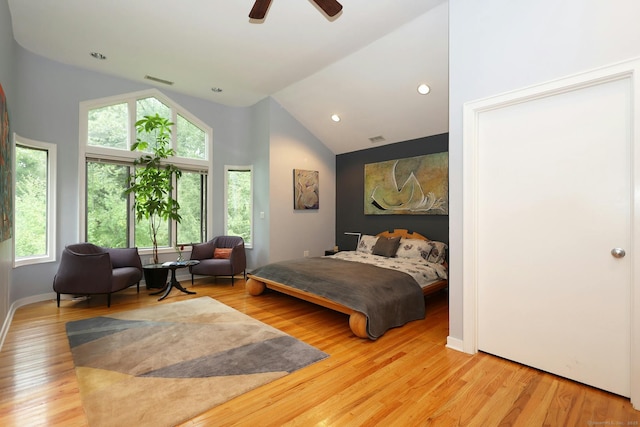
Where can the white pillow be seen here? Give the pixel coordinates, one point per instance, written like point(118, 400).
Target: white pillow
point(366, 243)
point(438, 252)
point(414, 248)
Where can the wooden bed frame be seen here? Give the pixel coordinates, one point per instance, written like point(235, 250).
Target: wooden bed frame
point(357, 320)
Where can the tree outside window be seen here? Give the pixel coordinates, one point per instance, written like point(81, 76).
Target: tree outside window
point(107, 206)
point(239, 202)
point(193, 209)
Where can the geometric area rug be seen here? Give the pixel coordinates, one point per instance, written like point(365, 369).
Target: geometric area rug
point(162, 365)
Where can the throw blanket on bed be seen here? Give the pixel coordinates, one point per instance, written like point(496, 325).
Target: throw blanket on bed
point(388, 298)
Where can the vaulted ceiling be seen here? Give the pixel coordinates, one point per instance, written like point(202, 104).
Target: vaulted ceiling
point(364, 64)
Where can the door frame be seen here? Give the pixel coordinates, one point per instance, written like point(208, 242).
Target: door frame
point(472, 115)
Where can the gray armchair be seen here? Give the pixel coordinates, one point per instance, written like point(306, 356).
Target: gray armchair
point(211, 266)
point(87, 269)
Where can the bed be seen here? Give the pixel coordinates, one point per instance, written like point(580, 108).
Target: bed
point(380, 285)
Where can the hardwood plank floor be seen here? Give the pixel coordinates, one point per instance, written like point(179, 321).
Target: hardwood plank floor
point(405, 378)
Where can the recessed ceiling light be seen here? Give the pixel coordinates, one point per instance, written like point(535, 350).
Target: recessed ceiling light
point(424, 89)
point(335, 118)
point(98, 55)
point(216, 89)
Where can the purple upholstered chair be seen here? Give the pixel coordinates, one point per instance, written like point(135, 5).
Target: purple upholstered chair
point(87, 269)
point(222, 256)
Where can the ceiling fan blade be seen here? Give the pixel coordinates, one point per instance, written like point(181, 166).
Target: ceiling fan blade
point(330, 7)
point(259, 9)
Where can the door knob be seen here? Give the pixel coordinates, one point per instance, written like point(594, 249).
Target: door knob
point(618, 252)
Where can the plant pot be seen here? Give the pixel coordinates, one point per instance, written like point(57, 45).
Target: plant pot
point(155, 276)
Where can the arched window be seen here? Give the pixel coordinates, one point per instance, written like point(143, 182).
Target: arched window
point(107, 131)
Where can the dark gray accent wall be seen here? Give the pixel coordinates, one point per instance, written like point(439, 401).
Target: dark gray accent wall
point(350, 215)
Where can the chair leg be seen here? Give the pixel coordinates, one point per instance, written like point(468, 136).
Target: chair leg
point(192, 280)
point(109, 299)
point(138, 286)
point(58, 298)
point(232, 278)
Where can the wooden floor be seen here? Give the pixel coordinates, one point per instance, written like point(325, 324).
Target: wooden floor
point(405, 378)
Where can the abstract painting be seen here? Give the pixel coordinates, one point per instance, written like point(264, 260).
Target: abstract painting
point(412, 186)
point(6, 180)
point(305, 189)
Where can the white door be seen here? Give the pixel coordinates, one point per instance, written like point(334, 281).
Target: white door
point(554, 192)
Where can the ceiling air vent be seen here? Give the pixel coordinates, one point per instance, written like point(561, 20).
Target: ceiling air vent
point(156, 79)
point(377, 139)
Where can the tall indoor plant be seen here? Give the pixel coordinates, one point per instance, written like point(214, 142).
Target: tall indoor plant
point(152, 181)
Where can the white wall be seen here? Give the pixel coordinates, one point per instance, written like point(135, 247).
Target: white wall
point(294, 231)
point(502, 45)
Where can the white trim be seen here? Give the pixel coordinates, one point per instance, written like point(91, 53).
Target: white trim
point(471, 112)
point(52, 171)
point(83, 131)
point(470, 237)
point(455, 344)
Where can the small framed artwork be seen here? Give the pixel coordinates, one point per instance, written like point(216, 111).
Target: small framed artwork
point(306, 193)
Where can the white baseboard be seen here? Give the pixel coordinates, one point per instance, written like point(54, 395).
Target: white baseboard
point(455, 344)
point(16, 305)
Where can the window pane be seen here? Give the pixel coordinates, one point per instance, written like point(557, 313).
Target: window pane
point(107, 205)
point(108, 126)
point(31, 201)
point(239, 210)
point(192, 196)
point(191, 139)
point(143, 233)
point(150, 107)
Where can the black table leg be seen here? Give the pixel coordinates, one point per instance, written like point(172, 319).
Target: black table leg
point(173, 283)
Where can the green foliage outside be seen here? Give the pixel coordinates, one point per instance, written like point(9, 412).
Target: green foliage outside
point(30, 202)
point(191, 139)
point(108, 126)
point(149, 107)
point(191, 188)
point(107, 205)
point(239, 204)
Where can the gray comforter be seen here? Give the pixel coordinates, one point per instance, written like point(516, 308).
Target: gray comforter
point(388, 298)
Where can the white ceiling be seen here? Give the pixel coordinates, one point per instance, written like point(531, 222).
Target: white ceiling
point(364, 64)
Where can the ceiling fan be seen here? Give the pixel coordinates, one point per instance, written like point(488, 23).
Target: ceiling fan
point(259, 9)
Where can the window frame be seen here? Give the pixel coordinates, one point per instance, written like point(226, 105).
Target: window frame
point(205, 207)
point(95, 153)
point(246, 168)
point(52, 164)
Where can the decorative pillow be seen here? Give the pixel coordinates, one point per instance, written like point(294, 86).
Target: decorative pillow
point(386, 246)
point(414, 248)
point(222, 253)
point(366, 243)
point(438, 252)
